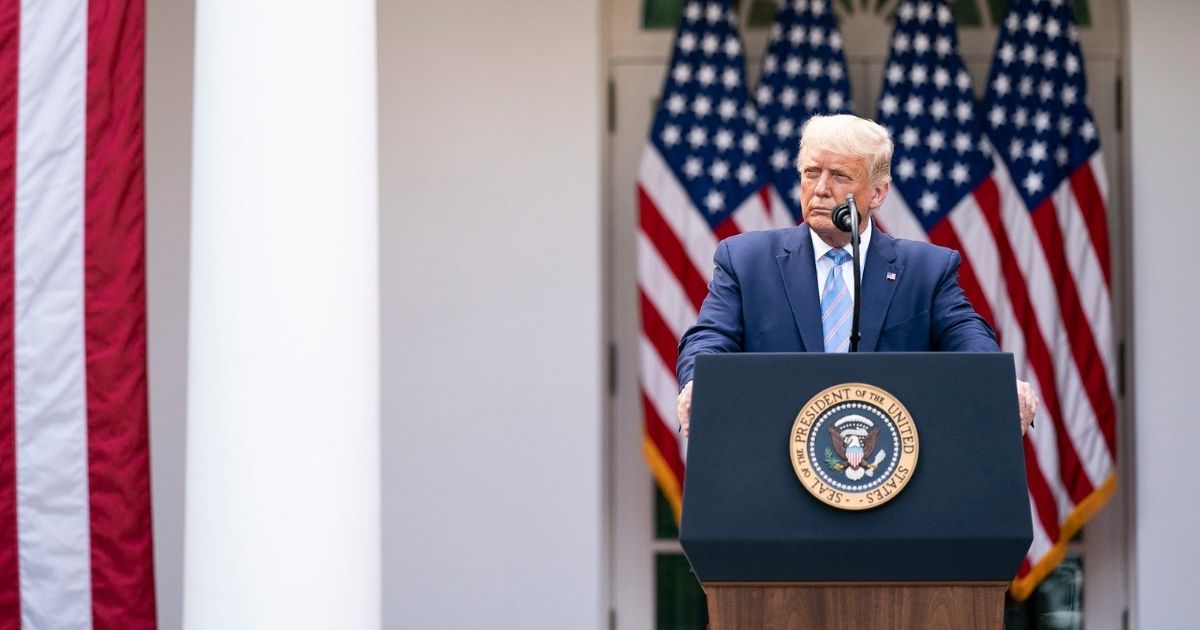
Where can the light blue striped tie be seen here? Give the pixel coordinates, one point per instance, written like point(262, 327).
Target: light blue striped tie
point(836, 305)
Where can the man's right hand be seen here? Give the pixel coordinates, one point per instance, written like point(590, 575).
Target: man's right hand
point(683, 408)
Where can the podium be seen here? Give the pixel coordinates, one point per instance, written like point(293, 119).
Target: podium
point(939, 553)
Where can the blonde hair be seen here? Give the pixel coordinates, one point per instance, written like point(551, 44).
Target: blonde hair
point(846, 134)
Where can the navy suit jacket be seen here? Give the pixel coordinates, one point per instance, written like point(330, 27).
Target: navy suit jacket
point(763, 298)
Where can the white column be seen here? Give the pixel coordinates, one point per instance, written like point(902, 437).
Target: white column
point(282, 508)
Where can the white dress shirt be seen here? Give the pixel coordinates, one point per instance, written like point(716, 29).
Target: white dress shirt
point(824, 264)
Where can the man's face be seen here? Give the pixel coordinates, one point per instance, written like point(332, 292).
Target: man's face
point(825, 180)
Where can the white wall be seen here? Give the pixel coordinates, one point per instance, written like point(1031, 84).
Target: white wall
point(169, 38)
point(491, 141)
point(1166, 298)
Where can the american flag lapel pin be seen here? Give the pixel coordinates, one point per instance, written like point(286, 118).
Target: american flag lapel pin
point(891, 275)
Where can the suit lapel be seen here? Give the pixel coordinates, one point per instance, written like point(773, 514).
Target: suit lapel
point(877, 288)
point(800, 283)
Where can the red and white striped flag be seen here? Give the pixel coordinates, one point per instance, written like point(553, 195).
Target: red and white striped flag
point(702, 178)
point(1028, 217)
point(75, 521)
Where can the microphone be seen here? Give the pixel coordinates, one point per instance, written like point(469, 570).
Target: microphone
point(847, 219)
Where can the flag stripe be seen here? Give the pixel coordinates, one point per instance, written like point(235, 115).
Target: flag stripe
point(1090, 196)
point(10, 603)
point(671, 252)
point(115, 316)
point(656, 182)
point(662, 289)
point(656, 332)
point(1082, 343)
point(943, 234)
point(663, 438)
point(51, 402)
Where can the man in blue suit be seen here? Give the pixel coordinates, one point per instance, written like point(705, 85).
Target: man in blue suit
point(790, 290)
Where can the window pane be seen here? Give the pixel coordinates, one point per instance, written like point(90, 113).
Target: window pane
point(679, 602)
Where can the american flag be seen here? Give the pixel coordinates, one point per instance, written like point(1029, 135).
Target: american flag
point(701, 179)
point(1029, 219)
point(804, 73)
point(75, 538)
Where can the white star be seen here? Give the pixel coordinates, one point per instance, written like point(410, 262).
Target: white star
point(943, 15)
point(788, 97)
point(719, 171)
point(764, 95)
point(936, 140)
point(963, 111)
point(906, 169)
point(962, 142)
point(687, 42)
point(709, 44)
point(796, 193)
point(1049, 60)
point(779, 159)
point(1028, 54)
point(714, 201)
point(1007, 54)
point(784, 128)
point(1001, 84)
point(905, 12)
point(921, 43)
point(895, 73)
point(706, 75)
point(1072, 33)
point(1072, 64)
point(682, 73)
point(1026, 86)
point(910, 137)
point(888, 104)
point(730, 78)
point(996, 116)
point(792, 67)
point(676, 104)
point(749, 143)
point(1037, 151)
point(702, 106)
point(1053, 30)
point(963, 80)
point(723, 140)
point(1061, 156)
point(959, 173)
point(697, 137)
point(941, 78)
point(1088, 131)
point(918, 75)
point(835, 41)
point(1032, 182)
point(745, 173)
point(692, 12)
point(1016, 149)
point(814, 68)
point(913, 106)
point(796, 35)
point(693, 167)
point(928, 202)
point(732, 47)
point(835, 101)
point(770, 65)
point(924, 11)
point(670, 135)
point(1012, 22)
point(1064, 126)
point(727, 109)
point(816, 37)
point(1069, 94)
point(1020, 118)
point(943, 46)
point(1046, 90)
point(812, 98)
point(932, 171)
point(1033, 22)
point(818, 9)
point(1041, 121)
point(776, 32)
point(939, 109)
point(713, 13)
point(900, 42)
point(834, 71)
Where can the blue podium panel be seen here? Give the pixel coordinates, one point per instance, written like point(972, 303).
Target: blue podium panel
point(963, 516)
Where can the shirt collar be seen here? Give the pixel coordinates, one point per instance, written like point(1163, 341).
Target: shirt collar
point(820, 247)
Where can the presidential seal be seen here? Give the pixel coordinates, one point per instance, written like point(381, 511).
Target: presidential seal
point(854, 446)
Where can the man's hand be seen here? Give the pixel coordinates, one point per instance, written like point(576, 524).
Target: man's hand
point(1027, 402)
point(683, 408)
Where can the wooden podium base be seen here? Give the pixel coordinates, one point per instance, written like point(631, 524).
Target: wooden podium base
point(851, 606)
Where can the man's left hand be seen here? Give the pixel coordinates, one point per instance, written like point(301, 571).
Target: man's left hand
point(1027, 401)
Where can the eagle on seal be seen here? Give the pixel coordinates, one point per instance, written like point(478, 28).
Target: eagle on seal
point(855, 445)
